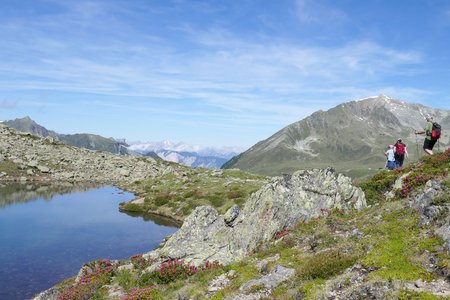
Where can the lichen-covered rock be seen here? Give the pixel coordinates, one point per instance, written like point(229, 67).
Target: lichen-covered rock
point(431, 212)
point(283, 202)
point(271, 280)
point(231, 215)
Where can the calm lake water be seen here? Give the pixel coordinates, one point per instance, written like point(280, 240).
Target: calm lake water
point(47, 233)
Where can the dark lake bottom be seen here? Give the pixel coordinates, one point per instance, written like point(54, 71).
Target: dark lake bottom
point(47, 233)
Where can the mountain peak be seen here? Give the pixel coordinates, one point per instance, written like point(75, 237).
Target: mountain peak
point(351, 137)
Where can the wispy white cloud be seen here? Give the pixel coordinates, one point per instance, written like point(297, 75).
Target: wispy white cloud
point(7, 104)
point(314, 11)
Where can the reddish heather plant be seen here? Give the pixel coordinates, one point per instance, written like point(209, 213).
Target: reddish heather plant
point(139, 261)
point(410, 183)
point(140, 294)
point(278, 235)
point(94, 275)
point(175, 269)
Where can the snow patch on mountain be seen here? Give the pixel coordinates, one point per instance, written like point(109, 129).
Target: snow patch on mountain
point(186, 154)
point(222, 152)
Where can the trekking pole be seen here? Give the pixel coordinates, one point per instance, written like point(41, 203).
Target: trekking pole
point(417, 145)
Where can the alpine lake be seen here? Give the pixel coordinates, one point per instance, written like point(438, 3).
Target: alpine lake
point(48, 232)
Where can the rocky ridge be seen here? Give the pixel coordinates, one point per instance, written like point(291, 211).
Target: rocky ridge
point(25, 157)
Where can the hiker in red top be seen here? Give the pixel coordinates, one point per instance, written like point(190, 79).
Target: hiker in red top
point(400, 153)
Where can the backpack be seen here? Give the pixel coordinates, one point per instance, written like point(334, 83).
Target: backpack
point(399, 148)
point(436, 131)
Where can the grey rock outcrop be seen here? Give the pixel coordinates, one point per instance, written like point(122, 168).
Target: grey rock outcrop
point(282, 203)
point(433, 212)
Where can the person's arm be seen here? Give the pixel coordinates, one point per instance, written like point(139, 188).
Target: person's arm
point(419, 132)
point(406, 153)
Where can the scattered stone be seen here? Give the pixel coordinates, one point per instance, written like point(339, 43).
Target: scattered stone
point(32, 164)
point(114, 291)
point(50, 294)
point(217, 173)
point(263, 265)
point(357, 234)
point(440, 287)
point(217, 284)
point(127, 267)
point(43, 169)
point(231, 215)
point(271, 280)
point(124, 172)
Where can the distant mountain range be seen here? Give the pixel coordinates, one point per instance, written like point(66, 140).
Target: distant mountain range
point(82, 140)
point(351, 137)
point(186, 154)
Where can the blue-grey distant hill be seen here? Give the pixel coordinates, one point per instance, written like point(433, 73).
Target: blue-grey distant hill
point(82, 140)
point(351, 137)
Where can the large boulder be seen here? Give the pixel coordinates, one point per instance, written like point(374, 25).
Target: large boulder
point(282, 203)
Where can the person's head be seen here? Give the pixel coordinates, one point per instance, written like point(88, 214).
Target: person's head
point(429, 118)
point(399, 140)
point(391, 146)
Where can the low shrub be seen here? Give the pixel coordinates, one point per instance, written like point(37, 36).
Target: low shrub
point(138, 261)
point(126, 279)
point(140, 294)
point(132, 207)
point(162, 199)
point(235, 194)
point(175, 269)
point(326, 264)
point(94, 275)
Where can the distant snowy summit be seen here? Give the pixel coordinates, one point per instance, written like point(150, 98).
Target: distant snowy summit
point(187, 154)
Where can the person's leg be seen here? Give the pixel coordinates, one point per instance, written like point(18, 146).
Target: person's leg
point(427, 148)
point(401, 158)
point(391, 165)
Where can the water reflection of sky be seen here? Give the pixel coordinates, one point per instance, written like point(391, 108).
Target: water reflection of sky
point(43, 242)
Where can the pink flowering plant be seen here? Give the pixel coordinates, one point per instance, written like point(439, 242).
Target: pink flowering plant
point(140, 294)
point(94, 275)
point(410, 183)
point(176, 269)
point(139, 261)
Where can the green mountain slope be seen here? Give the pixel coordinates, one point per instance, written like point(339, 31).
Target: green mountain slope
point(351, 137)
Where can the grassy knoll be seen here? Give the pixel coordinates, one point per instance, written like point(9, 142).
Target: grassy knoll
point(176, 194)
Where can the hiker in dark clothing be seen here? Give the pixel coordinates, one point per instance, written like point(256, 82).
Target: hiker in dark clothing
point(400, 153)
point(430, 135)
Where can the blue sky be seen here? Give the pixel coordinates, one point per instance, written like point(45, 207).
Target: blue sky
point(214, 72)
